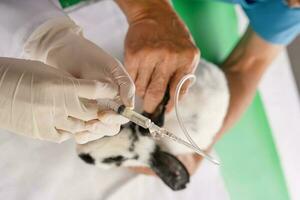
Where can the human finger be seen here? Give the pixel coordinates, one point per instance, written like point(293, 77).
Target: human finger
point(156, 89)
point(173, 85)
point(70, 124)
point(144, 75)
point(125, 84)
point(111, 118)
point(82, 95)
point(96, 131)
point(131, 63)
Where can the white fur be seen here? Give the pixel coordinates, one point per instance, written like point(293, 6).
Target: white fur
point(119, 145)
point(203, 109)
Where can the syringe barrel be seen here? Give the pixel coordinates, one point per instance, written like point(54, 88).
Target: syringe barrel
point(134, 117)
point(126, 112)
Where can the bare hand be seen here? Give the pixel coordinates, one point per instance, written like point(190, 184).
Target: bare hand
point(158, 51)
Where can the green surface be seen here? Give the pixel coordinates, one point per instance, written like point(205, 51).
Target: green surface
point(213, 36)
point(67, 3)
point(251, 167)
point(250, 164)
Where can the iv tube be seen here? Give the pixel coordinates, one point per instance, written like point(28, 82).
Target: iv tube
point(180, 121)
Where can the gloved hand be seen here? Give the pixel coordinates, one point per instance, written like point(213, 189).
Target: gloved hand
point(40, 101)
point(59, 42)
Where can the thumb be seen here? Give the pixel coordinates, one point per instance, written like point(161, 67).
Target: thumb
point(92, 89)
point(125, 83)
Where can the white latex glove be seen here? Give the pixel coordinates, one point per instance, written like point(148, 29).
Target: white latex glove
point(40, 101)
point(59, 42)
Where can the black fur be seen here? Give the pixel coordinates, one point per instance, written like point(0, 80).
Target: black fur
point(158, 116)
point(121, 109)
point(170, 170)
point(134, 137)
point(87, 158)
point(117, 160)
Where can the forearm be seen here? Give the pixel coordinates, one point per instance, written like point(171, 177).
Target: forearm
point(244, 69)
point(242, 86)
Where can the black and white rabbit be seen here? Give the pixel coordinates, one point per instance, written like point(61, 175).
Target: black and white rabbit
point(203, 110)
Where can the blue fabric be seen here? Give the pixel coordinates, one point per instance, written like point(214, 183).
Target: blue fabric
point(273, 20)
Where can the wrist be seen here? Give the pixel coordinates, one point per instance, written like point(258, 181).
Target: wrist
point(136, 10)
point(49, 36)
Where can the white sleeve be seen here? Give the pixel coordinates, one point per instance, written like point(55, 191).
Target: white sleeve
point(19, 18)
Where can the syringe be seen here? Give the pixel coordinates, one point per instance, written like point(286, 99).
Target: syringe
point(155, 131)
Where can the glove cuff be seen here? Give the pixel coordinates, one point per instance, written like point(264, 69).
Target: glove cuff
point(49, 36)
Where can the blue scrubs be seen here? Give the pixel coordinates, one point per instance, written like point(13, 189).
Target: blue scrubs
point(273, 20)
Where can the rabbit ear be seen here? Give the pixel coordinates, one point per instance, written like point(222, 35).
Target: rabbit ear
point(170, 170)
point(158, 115)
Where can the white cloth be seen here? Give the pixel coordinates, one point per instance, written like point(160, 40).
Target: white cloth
point(18, 19)
point(282, 106)
point(34, 170)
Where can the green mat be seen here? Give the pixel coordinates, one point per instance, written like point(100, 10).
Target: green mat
point(250, 164)
point(67, 3)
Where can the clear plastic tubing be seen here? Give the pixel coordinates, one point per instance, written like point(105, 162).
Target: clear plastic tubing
point(192, 143)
